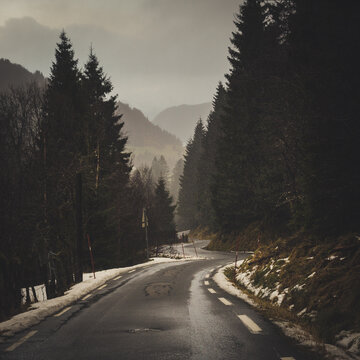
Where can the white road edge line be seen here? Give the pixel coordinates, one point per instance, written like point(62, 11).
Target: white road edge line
point(212, 290)
point(206, 282)
point(63, 311)
point(86, 296)
point(225, 301)
point(22, 340)
point(252, 327)
point(117, 278)
point(131, 271)
point(101, 287)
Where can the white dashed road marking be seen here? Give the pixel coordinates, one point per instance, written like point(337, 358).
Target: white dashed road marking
point(131, 271)
point(22, 340)
point(212, 290)
point(287, 358)
point(207, 276)
point(206, 282)
point(252, 327)
point(225, 301)
point(102, 286)
point(117, 278)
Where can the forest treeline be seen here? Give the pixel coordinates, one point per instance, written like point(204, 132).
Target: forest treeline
point(280, 147)
point(67, 178)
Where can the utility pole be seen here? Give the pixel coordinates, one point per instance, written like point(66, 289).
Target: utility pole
point(144, 225)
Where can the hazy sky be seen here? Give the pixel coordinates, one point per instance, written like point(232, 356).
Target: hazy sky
point(158, 53)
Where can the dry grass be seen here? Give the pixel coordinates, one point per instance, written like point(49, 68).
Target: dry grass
point(322, 277)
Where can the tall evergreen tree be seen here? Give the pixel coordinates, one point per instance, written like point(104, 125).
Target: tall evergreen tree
point(175, 179)
point(207, 169)
point(160, 169)
point(108, 165)
point(239, 159)
point(321, 54)
point(188, 207)
point(62, 146)
point(161, 219)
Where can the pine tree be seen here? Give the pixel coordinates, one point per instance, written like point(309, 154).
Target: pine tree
point(238, 160)
point(321, 48)
point(108, 165)
point(62, 146)
point(207, 167)
point(175, 179)
point(160, 169)
point(161, 218)
point(188, 207)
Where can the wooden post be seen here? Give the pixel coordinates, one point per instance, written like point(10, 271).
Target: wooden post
point(79, 228)
point(182, 244)
point(91, 255)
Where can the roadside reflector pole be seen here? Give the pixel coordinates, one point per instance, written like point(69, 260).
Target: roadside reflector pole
point(182, 244)
point(91, 256)
point(195, 248)
point(236, 258)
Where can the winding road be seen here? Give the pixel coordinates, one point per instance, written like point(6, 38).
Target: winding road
point(165, 311)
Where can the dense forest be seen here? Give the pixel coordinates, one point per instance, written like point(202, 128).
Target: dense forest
point(280, 147)
point(67, 178)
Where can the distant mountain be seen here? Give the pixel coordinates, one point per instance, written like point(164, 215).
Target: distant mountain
point(147, 140)
point(181, 120)
point(16, 75)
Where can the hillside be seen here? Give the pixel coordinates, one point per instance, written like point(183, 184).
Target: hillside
point(181, 120)
point(302, 281)
point(16, 75)
point(147, 140)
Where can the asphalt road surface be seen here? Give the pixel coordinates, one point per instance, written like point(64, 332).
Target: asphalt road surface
point(164, 311)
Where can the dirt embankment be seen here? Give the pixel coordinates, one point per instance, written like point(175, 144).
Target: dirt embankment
point(314, 284)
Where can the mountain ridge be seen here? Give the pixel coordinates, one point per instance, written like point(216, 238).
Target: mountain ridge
point(147, 140)
point(181, 119)
point(12, 74)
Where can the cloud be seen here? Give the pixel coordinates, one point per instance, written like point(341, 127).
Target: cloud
point(158, 53)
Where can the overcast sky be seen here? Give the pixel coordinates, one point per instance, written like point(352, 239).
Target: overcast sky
point(158, 53)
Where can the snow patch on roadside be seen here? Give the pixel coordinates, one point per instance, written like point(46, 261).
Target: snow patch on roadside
point(229, 287)
point(345, 339)
point(39, 311)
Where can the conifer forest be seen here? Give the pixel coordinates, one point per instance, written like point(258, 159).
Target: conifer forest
point(277, 158)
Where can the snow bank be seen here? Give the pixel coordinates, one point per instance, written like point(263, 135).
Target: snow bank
point(347, 340)
point(223, 282)
point(39, 311)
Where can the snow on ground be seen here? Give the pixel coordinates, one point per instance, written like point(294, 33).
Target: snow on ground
point(39, 311)
point(229, 287)
point(344, 339)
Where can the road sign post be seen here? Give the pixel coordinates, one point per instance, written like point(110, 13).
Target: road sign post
point(144, 225)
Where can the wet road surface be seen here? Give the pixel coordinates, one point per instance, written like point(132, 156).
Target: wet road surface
point(165, 311)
